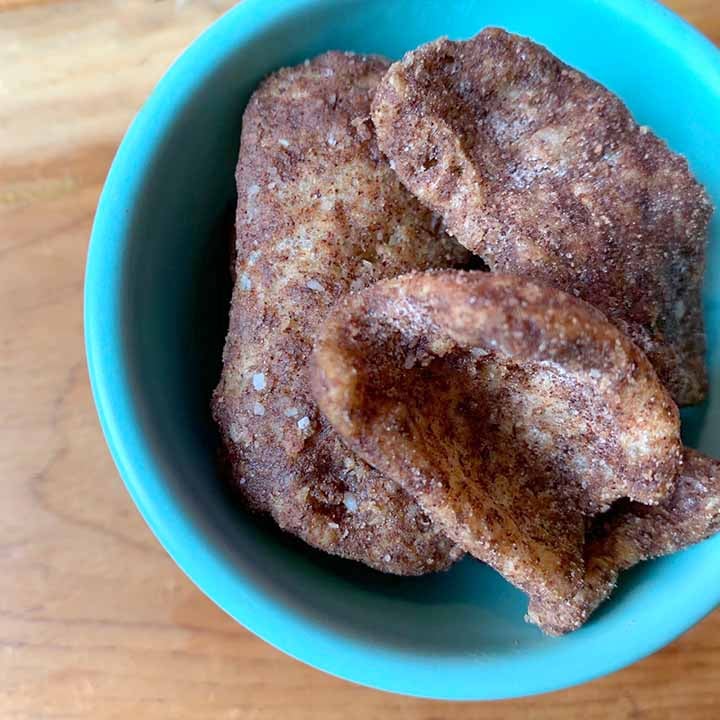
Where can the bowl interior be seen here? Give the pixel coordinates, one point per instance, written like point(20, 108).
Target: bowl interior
point(157, 300)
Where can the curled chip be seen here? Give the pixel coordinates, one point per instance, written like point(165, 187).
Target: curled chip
point(545, 174)
point(319, 213)
point(630, 533)
point(510, 411)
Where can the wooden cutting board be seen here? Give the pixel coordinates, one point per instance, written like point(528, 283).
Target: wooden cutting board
point(96, 621)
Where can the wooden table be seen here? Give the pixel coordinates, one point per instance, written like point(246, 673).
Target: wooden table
point(95, 620)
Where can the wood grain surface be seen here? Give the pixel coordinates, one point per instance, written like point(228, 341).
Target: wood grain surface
point(96, 622)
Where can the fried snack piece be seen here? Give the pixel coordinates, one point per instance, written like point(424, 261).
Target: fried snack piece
point(544, 173)
point(319, 213)
point(510, 411)
point(630, 533)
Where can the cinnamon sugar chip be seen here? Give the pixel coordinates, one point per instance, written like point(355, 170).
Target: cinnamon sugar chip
point(544, 173)
point(325, 227)
point(508, 450)
point(630, 533)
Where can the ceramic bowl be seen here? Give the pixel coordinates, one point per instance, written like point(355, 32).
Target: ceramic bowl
point(156, 306)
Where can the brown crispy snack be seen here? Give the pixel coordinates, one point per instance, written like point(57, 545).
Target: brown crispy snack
point(510, 411)
point(630, 533)
point(545, 174)
point(319, 213)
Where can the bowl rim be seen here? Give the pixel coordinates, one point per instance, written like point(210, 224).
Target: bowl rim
point(258, 608)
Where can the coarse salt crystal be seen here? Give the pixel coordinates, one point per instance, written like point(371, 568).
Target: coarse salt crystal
point(291, 412)
point(315, 285)
point(285, 143)
point(333, 525)
point(245, 282)
point(478, 352)
point(235, 433)
point(253, 257)
point(304, 423)
point(252, 193)
point(259, 381)
point(258, 409)
point(387, 558)
point(331, 140)
point(679, 310)
point(350, 502)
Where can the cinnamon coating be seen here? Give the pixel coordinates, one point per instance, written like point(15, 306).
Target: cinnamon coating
point(544, 173)
point(319, 213)
point(511, 412)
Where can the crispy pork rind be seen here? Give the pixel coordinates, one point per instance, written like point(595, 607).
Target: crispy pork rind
point(630, 533)
point(319, 213)
point(545, 174)
point(510, 411)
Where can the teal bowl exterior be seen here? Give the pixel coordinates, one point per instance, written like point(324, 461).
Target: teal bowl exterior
point(155, 309)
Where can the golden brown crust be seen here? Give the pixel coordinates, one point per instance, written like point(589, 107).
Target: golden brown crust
point(630, 533)
point(510, 411)
point(319, 213)
point(544, 173)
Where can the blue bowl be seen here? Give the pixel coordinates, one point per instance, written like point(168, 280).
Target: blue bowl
point(155, 309)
